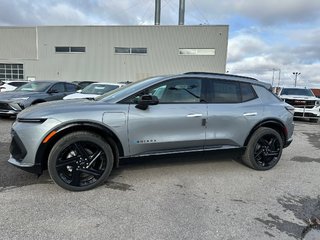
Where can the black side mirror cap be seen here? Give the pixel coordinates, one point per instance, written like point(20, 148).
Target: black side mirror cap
point(145, 100)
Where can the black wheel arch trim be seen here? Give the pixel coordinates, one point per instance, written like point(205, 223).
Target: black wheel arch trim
point(102, 130)
point(271, 123)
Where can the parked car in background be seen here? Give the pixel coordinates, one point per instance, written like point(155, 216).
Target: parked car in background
point(83, 84)
point(93, 90)
point(10, 85)
point(305, 104)
point(80, 142)
point(11, 103)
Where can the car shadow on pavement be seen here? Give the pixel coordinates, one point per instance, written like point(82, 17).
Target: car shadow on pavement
point(11, 176)
point(177, 160)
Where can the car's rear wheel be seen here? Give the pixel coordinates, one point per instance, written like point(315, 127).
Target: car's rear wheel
point(80, 161)
point(264, 149)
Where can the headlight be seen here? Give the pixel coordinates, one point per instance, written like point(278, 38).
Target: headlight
point(31, 120)
point(318, 103)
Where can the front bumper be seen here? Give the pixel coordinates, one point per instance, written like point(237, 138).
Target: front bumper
point(307, 112)
point(36, 168)
point(9, 109)
point(26, 139)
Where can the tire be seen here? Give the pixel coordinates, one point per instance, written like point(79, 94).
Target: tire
point(313, 120)
point(80, 161)
point(264, 149)
point(5, 116)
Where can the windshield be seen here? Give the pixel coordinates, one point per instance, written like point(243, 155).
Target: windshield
point(297, 91)
point(99, 88)
point(34, 87)
point(126, 90)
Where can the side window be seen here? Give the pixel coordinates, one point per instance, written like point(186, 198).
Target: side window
point(182, 90)
point(225, 92)
point(247, 92)
point(58, 87)
point(71, 87)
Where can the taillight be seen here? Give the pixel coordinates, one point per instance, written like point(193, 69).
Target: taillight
point(290, 109)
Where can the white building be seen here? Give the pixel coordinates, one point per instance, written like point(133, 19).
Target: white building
point(110, 53)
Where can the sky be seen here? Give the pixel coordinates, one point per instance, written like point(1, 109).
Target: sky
point(269, 40)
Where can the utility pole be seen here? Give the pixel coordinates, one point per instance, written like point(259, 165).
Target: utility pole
point(272, 76)
point(181, 12)
point(157, 12)
point(296, 77)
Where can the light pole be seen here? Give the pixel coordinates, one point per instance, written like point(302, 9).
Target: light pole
point(296, 77)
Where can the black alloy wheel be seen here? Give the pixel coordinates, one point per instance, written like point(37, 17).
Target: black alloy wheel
point(264, 149)
point(80, 161)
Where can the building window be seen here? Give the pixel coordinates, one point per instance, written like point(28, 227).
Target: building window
point(126, 50)
point(139, 50)
point(11, 71)
point(64, 49)
point(197, 51)
point(122, 50)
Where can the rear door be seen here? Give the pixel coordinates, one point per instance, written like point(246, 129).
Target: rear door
point(233, 110)
point(175, 124)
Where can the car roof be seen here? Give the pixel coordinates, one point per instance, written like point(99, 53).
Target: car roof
point(53, 81)
point(10, 81)
point(224, 76)
point(107, 83)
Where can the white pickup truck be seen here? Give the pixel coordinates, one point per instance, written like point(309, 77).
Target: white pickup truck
point(305, 104)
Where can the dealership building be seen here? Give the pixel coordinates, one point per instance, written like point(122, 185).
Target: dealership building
point(110, 53)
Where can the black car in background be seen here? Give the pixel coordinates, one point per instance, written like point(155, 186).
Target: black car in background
point(11, 103)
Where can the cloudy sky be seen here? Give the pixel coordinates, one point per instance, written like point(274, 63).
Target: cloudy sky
point(265, 37)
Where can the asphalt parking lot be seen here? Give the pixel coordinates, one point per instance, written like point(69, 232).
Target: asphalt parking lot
point(195, 197)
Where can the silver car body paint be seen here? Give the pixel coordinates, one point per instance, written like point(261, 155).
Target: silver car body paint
point(162, 128)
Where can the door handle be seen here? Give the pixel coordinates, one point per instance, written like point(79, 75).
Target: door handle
point(193, 115)
point(250, 114)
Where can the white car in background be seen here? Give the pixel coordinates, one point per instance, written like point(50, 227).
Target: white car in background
point(93, 90)
point(306, 104)
point(10, 85)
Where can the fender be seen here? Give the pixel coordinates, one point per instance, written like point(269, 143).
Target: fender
point(271, 123)
point(62, 130)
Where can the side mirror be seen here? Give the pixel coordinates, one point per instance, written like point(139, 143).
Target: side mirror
point(145, 100)
point(79, 91)
point(53, 91)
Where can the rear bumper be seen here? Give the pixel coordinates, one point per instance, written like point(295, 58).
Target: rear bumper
point(287, 143)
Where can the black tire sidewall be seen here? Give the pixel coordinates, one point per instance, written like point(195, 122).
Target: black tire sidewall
point(70, 139)
point(248, 157)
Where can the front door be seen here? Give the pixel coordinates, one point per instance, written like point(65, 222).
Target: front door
point(176, 124)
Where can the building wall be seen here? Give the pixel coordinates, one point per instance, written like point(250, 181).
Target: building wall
point(34, 47)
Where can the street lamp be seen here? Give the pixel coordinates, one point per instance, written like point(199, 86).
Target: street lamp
point(296, 77)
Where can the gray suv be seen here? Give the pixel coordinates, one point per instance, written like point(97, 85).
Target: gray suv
point(31, 93)
point(80, 142)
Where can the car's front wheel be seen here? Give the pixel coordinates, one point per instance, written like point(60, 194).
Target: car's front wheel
point(80, 161)
point(264, 149)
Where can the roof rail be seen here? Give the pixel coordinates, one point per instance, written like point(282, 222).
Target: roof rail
point(201, 73)
point(219, 74)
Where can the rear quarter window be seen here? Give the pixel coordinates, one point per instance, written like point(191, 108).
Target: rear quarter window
point(247, 92)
